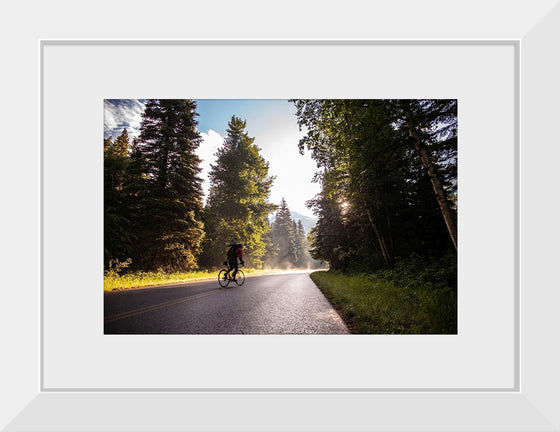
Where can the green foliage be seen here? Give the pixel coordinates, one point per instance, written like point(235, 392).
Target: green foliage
point(283, 238)
point(117, 267)
point(302, 247)
point(121, 146)
point(376, 207)
point(114, 281)
point(163, 190)
point(377, 204)
point(119, 279)
point(419, 271)
point(288, 245)
point(376, 304)
point(117, 234)
point(237, 205)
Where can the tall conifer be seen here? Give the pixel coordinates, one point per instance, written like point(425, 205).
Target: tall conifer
point(237, 205)
point(283, 236)
point(301, 245)
point(117, 235)
point(165, 189)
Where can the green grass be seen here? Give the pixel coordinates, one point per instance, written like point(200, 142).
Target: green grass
point(112, 281)
point(374, 305)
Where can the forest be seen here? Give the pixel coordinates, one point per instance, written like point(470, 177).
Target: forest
point(387, 211)
point(388, 176)
point(155, 218)
point(388, 170)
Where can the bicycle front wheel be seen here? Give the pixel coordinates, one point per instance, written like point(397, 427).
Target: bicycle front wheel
point(223, 278)
point(240, 277)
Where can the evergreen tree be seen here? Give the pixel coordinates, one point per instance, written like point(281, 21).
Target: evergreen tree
point(283, 237)
point(117, 236)
point(121, 146)
point(107, 145)
point(329, 239)
point(237, 205)
point(301, 245)
point(164, 188)
point(271, 249)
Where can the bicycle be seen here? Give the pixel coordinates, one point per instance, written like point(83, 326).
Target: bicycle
point(224, 277)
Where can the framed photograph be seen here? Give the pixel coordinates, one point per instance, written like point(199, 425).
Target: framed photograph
point(498, 372)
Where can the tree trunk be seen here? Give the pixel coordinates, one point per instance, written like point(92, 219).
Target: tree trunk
point(389, 230)
point(385, 256)
point(437, 184)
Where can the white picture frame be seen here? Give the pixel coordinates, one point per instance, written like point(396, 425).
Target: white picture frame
point(532, 405)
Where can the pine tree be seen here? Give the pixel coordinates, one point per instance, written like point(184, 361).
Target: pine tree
point(107, 145)
point(283, 237)
point(121, 145)
point(116, 233)
point(164, 187)
point(271, 249)
point(237, 205)
point(301, 245)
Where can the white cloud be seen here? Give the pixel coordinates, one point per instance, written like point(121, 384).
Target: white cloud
point(207, 153)
point(120, 114)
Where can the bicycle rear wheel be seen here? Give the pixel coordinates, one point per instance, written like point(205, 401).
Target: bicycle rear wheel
point(223, 278)
point(240, 277)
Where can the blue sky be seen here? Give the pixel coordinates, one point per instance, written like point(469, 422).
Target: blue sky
point(215, 113)
point(271, 122)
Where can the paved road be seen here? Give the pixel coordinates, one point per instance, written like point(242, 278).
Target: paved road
point(283, 303)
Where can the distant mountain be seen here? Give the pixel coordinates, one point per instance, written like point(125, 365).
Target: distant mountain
point(307, 221)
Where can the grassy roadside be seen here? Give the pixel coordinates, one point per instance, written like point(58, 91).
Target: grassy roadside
point(373, 305)
point(115, 282)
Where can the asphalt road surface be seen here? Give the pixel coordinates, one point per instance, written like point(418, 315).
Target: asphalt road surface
point(283, 303)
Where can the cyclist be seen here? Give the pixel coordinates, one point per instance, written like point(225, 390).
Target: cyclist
point(234, 253)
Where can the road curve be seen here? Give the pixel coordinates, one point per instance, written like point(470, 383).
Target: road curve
point(282, 303)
